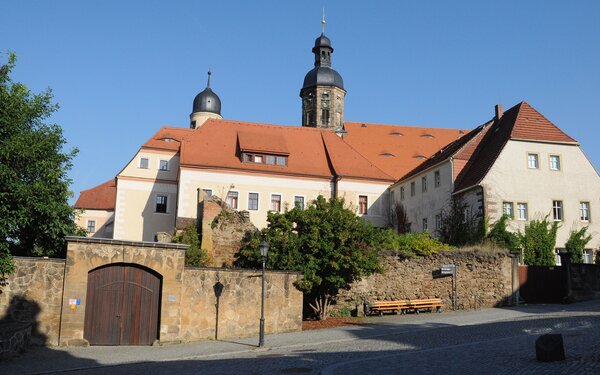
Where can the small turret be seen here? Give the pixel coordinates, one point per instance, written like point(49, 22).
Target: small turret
point(206, 105)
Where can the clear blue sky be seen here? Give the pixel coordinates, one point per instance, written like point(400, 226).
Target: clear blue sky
point(122, 69)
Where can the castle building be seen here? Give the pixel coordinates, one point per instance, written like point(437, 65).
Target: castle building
point(517, 163)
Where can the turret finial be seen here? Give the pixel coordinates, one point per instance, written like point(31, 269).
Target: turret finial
point(208, 83)
point(323, 22)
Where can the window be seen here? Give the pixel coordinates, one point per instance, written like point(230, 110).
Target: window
point(532, 161)
point(164, 165)
point(522, 211)
point(557, 210)
point(424, 224)
point(554, 163)
point(144, 163)
point(507, 209)
point(424, 183)
point(207, 192)
point(412, 189)
point(402, 193)
point(91, 226)
point(161, 204)
point(438, 221)
point(362, 204)
point(275, 202)
point(253, 201)
point(232, 199)
point(264, 159)
point(437, 181)
point(299, 202)
point(281, 160)
point(587, 256)
point(584, 211)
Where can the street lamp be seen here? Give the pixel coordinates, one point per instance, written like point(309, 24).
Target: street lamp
point(264, 251)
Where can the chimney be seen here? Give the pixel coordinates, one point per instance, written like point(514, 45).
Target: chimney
point(499, 111)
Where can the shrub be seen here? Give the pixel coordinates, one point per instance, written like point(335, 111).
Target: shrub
point(194, 255)
point(576, 243)
point(500, 236)
point(538, 242)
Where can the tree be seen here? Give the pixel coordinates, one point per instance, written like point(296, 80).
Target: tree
point(34, 213)
point(194, 255)
point(501, 236)
point(327, 242)
point(538, 242)
point(576, 243)
point(459, 225)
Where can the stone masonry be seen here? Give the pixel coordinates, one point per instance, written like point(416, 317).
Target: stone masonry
point(239, 304)
point(33, 294)
point(484, 278)
point(223, 230)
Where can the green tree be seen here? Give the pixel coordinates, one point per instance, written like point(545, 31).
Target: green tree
point(538, 242)
point(576, 243)
point(501, 236)
point(34, 213)
point(327, 242)
point(194, 255)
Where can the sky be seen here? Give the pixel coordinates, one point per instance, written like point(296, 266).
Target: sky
point(122, 69)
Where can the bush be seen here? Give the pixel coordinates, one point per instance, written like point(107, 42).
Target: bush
point(502, 237)
point(410, 245)
point(194, 255)
point(576, 243)
point(538, 242)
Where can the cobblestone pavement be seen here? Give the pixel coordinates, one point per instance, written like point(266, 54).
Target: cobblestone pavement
point(490, 341)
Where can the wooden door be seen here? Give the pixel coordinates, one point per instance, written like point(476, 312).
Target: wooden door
point(122, 306)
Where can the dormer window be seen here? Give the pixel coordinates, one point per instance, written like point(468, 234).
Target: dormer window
point(168, 139)
point(419, 157)
point(427, 136)
point(386, 154)
point(397, 134)
point(255, 158)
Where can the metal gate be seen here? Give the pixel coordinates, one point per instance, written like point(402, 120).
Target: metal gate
point(122, 305)
point(539, 284)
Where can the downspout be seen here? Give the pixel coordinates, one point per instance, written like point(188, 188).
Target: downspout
point(334, 186)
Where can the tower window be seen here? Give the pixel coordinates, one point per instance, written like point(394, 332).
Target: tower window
point(325, 116)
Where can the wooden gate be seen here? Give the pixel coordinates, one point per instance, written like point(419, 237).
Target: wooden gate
point(539, 284)
point(122, 306)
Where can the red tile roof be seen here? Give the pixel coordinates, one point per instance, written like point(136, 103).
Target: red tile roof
point(312, 152)
point(168, 138)
point(397, 149)
point(521, 122)
point(101, 197)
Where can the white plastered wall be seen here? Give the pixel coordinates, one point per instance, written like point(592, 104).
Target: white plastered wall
point(510, 180)
point(221, 182)
point(425, 204)
point(377, 199)
point(101, 218)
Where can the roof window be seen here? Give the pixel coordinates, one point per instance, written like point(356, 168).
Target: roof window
point(397, 134)
point(419, 157)
point(386, 154)
point(168, 139)
point(427, 135)
point(255, 158)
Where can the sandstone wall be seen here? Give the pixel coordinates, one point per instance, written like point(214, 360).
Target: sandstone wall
point(86, 254)
point(223, 231)
point(239, 304)
point(33, 293)
point(484, 278)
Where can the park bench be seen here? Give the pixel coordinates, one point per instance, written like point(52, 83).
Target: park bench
point(404, 306)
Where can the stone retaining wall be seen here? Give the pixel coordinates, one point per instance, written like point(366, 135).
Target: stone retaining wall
point(239, 304)
point(484, 278)
point(14, 338)
point(33, 293)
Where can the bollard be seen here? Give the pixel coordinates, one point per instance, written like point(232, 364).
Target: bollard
point(549, 348)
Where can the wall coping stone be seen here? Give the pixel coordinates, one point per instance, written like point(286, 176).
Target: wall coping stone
point(249, 270)
point(45, 259)
point(108, 241)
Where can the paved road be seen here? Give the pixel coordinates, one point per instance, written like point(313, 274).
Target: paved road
point(490, 341)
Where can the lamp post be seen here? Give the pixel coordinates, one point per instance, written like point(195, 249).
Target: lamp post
point(264, 251)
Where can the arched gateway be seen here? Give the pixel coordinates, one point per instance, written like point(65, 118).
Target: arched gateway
point(123, 302)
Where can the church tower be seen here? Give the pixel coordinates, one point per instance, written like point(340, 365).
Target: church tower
point(206, 105)
point(323, 90)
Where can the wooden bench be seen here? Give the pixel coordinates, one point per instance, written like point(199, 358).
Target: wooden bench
point(404, 306)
